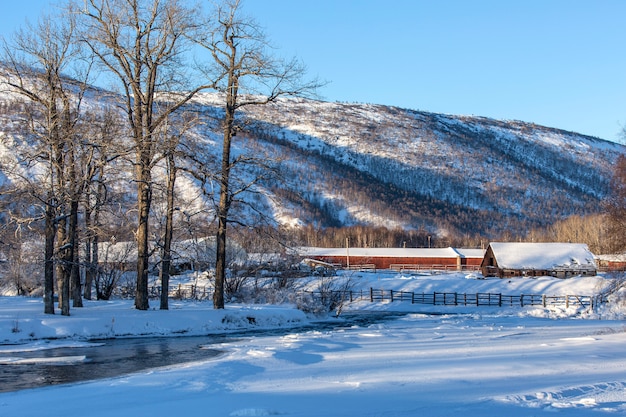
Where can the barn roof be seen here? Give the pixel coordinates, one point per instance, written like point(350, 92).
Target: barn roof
point(613, 257)
point(470, 253)
point(542, 256)
point(391, 252)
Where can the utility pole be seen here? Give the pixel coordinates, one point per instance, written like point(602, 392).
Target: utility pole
point(348, 252)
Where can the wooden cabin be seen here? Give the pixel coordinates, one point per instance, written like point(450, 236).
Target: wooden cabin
point(562, 260)
point(611, 263)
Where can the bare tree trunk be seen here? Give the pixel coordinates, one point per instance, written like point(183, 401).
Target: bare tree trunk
point(144, 193)
point(77, 300)
point(48, 295)
point(94, 201)
point(220, 263)
point(63, 268)
point(166, 252)
point(95, 255)
point(95, 251)
point(225, 200)
point(89, 267)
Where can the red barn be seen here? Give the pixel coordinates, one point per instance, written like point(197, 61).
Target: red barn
point(397, 258)
point(616, 262)
point(563, 260)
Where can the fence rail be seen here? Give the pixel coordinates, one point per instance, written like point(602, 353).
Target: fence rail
point(461, 299)
point(184, 292)
point(433, 267)
point(435, 298)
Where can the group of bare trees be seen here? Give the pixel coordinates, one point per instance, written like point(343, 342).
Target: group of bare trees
point(616, 206)
point(35, 63)
point(141, 50)
point(604, 233)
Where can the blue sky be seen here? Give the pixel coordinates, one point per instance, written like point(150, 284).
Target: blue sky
point(559, 63)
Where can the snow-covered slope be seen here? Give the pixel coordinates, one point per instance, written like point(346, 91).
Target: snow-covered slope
point(383, 165)
point(361, 164)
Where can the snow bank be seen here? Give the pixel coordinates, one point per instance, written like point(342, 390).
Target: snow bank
point(22, 320)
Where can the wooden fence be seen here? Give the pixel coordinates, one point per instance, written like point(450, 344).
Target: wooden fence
point(436, 298)
point(460, 299)
point(184, 292)
point(437, 267)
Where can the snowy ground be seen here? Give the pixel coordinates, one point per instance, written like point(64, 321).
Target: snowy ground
point(469, 361)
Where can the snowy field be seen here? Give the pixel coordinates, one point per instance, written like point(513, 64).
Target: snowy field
point(470, 361)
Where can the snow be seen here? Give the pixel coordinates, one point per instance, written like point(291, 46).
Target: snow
point(472, 361)
point(527, 255)
point(389, 252)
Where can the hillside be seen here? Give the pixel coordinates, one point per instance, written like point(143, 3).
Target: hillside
point(342, 164)
point(379, 165)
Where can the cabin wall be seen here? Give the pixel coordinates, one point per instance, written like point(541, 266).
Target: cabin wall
point(383, 262)
point(489, 265)
point(609, 265)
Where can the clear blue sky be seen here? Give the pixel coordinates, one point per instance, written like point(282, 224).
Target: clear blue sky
point(559, 63)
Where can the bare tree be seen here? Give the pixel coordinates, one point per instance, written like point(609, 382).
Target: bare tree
point(141, 43)
point(36, 60)
point(247, 74)
point(589, 229)
point(171, 141)
point(104, 129)
point(616, 206)
point(20, 266)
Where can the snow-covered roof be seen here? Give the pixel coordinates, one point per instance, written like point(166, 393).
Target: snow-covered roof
point(470, 253)
point(613, 257)
point(389, 252)
point(542, 256)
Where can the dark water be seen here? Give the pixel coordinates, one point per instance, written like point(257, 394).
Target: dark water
point(104, 359)
point(117, 357)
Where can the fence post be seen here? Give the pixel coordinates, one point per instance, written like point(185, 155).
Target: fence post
point(567, 301)
point(371, 295)
point(500, 300)
point(521, 300)
point(543, 300)
point(391, 295)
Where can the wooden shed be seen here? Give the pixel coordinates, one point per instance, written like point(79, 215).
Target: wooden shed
point(612, 262)
point(563, 260)
point(397, 258)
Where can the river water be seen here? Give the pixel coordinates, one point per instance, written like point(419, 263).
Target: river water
point(99, 359)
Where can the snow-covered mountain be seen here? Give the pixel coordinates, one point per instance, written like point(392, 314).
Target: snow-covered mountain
point(361, 164)
point(381, 165)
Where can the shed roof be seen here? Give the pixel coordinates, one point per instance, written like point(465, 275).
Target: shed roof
point(613, 257)
point(542, 256)
point(470, 253)
point(388, 252)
